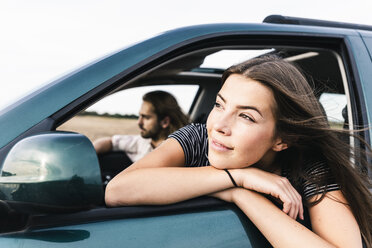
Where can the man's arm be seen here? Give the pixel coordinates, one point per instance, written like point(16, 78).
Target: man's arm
point(103, 145)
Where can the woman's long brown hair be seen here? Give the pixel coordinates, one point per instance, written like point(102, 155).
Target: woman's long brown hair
point(302, 124)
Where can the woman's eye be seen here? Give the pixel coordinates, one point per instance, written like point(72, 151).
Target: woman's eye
point(247, 117)
point(217, 105)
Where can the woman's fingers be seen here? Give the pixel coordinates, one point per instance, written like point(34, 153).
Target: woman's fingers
point(292, 201)
point(289, 203)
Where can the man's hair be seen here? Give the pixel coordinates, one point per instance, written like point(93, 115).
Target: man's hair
point(166, 105)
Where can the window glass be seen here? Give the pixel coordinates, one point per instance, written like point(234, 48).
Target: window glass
point(225, 58)
point(118, 113)
point(333, 105)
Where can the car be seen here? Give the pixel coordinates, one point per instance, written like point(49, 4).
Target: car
point(52, 181)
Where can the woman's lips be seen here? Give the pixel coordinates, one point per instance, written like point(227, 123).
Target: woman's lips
point(218, 146)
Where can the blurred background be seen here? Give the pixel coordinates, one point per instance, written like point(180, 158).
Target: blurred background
point(42, 40)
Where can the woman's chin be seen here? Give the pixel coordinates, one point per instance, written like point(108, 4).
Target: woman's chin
point(222, 164)
point(217, 166)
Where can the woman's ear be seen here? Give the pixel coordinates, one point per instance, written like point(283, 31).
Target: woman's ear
point(279, 145)
point(165, 122)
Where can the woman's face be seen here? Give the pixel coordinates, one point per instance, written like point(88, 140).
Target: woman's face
point(241, 125)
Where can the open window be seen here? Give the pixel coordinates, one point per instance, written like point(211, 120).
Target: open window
point(203, 68)
point(194, 78)
point(117, 113)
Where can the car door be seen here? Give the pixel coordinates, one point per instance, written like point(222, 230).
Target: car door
point(198, 228)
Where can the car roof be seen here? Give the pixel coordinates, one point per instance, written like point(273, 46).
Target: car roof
point(279, 19)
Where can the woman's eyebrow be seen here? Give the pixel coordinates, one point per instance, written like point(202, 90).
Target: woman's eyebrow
point(219, 95)
point(249, 107)
point(241, 106)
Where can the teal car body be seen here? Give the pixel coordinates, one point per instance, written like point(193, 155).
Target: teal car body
point(43, 207)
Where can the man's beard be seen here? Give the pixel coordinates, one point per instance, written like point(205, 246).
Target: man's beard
point(153, 133)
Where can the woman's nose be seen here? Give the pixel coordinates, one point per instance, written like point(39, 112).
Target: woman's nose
point(223, 124)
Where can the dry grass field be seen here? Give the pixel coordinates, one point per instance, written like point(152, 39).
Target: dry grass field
point(96, 127)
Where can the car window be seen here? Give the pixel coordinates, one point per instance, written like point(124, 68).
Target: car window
point(118, 113)
point(335, 108)
point(225, 58)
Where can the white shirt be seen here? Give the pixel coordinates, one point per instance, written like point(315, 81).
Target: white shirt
point(134, 146)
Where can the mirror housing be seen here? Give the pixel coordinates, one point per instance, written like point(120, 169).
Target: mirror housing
point(51, 172)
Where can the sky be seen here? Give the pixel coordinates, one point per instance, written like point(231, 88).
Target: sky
point(42, 40)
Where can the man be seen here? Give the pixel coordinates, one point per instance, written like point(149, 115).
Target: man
point(159, 116)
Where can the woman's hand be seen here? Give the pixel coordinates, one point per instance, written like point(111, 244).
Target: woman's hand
point(271, 184)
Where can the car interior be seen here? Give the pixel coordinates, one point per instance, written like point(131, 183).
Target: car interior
point(323, 68)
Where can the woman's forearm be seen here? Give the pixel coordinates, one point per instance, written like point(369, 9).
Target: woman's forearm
point(278, 228)
point(164, 185)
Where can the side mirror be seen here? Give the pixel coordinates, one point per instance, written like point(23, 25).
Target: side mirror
point(51, 172)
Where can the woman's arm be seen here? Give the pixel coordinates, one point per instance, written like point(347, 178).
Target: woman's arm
point(333, 223)
point(160, 178)
point(333, 220)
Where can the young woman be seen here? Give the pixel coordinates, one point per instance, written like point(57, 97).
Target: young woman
point(266, 136)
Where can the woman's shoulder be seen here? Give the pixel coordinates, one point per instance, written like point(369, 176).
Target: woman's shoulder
point(318, 176)
point(194, 142)
point(195, 126)
point(192, 130)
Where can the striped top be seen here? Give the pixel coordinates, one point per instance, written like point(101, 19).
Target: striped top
point(193, 139)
